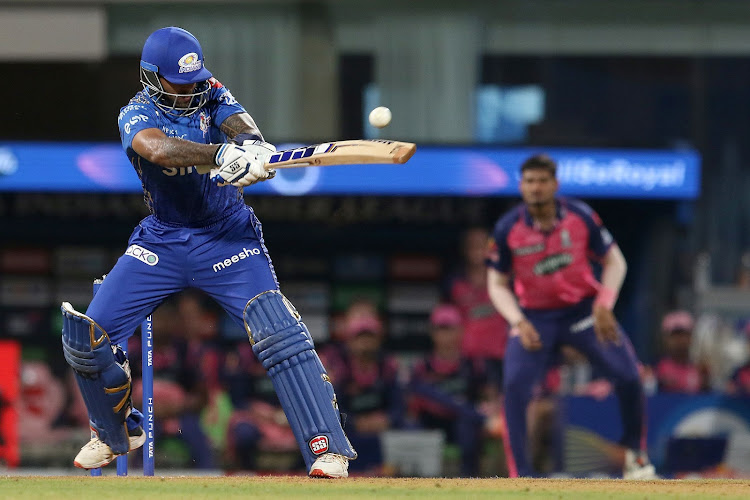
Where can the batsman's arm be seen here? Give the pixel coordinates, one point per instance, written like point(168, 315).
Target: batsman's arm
point(241, 126)
point(172, 152)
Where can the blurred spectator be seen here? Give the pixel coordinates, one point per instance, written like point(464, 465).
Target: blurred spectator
point(446, 387)
point(743, 272)
point(739, 381)
point(675, 372)
point(41, 406)
point(76, 415)
point(257, 422)
point(485, 330)
point(332, 353)
point(358, 307)
point(719, 344)
point(367, 389)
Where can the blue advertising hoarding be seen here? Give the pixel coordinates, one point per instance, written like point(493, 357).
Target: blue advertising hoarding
point(671, 417)
point(433, 170)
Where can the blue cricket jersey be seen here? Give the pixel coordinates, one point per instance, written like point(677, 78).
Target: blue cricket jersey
point(182, 196)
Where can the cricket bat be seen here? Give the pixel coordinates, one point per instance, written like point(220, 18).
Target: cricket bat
point(360, 151)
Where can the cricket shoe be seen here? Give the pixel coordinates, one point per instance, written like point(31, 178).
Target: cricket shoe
point(96, 453)
point(637, 466)
point(330, 466)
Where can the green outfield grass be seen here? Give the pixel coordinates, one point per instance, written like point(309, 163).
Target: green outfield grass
point(282, 488)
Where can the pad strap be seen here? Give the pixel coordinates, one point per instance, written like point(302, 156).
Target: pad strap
point(284, 346)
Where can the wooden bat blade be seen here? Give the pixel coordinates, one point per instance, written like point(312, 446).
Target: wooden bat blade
point(403, 153)
point(351, 152)
point(362, 151)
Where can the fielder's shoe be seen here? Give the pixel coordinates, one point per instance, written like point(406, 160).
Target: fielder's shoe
point(330, 466)
point(637, 466)
point(97, 453)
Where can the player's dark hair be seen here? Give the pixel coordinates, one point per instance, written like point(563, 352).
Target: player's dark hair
point(540, 162)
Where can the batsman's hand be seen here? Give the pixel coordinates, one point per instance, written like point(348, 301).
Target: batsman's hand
point(530, 339)
point(243, 165)
point(605, 325)
point(255, 142)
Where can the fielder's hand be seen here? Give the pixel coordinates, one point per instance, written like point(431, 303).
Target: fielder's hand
point(530, 339)
point(605, 325)
point(244, 165)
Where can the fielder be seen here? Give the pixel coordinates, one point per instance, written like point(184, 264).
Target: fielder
point(544, 246)
point(200, 234)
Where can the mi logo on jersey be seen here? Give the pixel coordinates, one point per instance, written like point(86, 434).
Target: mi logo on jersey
point(140, 253)
point(318, 445)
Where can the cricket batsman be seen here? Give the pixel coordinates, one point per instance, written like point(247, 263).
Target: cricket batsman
point(200, 234)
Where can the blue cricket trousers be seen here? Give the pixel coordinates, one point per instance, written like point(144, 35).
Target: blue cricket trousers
point(228, 260)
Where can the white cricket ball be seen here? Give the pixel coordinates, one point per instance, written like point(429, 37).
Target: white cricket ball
point(380, 117)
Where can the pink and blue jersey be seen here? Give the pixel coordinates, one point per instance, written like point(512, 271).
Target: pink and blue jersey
point(550, 269)
point(181, 196)
point(555, 284)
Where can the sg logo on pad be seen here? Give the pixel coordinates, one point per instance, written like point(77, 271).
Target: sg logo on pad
point(319, 445)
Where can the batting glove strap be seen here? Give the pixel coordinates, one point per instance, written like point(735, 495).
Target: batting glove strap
point(241, 139)
point(219, 155)
point(262, 150)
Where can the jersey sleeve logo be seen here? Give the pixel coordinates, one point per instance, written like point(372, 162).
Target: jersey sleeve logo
point(134, 120)
point(227, 98)
point(130, 107)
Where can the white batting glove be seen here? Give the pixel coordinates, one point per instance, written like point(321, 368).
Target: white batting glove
point(265, 145)
point(244, 165)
